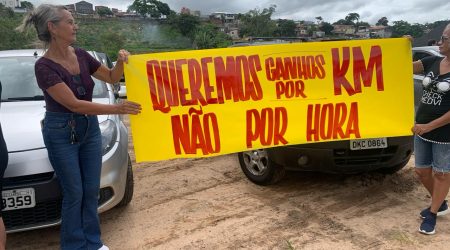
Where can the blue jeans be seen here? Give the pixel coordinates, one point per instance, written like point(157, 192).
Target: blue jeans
point(74, 144)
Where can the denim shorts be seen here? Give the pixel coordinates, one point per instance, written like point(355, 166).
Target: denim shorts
point(430, 154)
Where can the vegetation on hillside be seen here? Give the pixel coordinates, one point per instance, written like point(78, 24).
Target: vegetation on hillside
point(9, 38)
point(151, 8)
point(137, 36)
point(162, 29)
point(178, 32)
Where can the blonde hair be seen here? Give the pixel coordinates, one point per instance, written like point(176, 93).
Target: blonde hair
point(39, 18)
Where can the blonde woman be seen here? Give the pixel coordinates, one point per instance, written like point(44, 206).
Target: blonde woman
point(70, 129)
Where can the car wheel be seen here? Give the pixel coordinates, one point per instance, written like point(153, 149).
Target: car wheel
point(129, 186)
point(259, 169)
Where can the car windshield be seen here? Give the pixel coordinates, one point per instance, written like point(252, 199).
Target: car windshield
point(19, 82)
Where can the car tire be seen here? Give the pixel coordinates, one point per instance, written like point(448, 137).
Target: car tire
point(259, 169)
point(129, 186)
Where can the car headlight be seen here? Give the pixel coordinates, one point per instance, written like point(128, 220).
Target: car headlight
point(108, 129)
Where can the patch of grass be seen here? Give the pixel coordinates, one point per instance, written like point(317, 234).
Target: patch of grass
point(290, 247)
point(401, 237)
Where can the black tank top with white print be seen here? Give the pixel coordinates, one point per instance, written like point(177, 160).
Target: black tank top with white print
point(435, 100)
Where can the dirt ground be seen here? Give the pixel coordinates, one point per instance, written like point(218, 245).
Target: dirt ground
point(209, 204)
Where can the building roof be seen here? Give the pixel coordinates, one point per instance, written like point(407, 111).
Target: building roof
point(381, 27)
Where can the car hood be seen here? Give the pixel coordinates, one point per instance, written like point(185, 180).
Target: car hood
point(21, 127)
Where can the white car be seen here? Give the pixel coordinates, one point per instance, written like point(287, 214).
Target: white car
point(31, 192)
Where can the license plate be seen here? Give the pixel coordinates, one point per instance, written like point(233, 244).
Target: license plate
point(362, 144)
point(18, 199)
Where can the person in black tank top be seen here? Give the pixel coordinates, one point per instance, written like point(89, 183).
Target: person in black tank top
point(3, 165)
point(432, 132)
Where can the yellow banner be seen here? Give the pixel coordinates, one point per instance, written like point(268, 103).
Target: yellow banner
point(210, 102)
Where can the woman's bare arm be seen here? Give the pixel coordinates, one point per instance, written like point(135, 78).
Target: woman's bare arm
point(115, 74)
point(63, 95)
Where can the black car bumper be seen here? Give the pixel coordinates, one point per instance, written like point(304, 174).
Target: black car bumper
point(47, 211)
point(336, 157)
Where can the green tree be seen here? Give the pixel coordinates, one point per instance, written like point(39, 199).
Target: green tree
point(257, 22)
point(186, 24)
point(382, 21)
point(104, 12)
point(326, 27)
point(164, 8)
point(433, 25)
point(6, 12)
point(151, 8)
point(417, 30)
point(208, 36)
point(285, 28)
point(319, 19)
point(26, 5)
point(343, 22)
point(352, 18)
point(401, 28)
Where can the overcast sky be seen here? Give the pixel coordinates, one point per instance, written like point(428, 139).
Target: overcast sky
point(412, 11)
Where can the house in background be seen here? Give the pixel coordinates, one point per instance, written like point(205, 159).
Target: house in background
point(15, 5)
point(71, 8)
point(226, 23)
point(223, 17)
point(11, 3)
point(343, 30)
point(84, 8)
point(318, 34)
point(196, 13)
point(100, 7)
point(233, 32)
point(185, 11)
point(302, 28)
point(380, 31)
point(362, 32)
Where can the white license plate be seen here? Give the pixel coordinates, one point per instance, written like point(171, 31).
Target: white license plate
point(18, 199)
point(361, 144)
